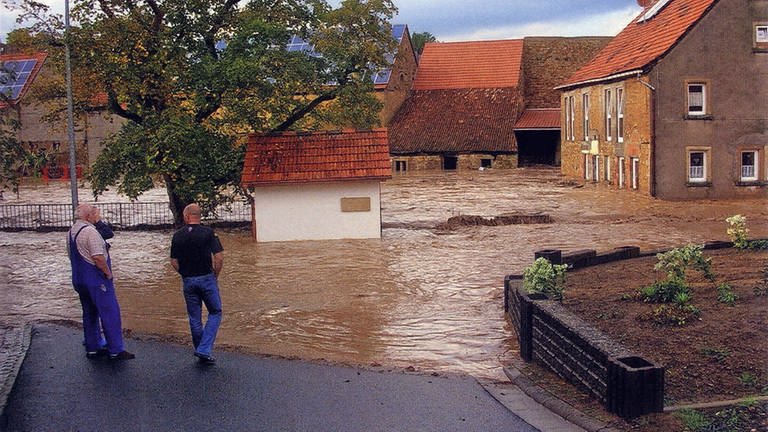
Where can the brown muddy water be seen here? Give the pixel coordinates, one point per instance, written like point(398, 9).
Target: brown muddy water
point(418, 297)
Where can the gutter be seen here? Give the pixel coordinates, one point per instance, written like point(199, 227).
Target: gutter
point(597, 80)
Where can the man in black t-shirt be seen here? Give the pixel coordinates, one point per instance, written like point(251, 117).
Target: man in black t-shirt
point(197, 255)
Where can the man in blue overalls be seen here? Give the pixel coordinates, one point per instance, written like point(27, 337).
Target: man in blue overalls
point(92, 280)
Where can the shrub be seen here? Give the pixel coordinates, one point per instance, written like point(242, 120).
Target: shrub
point(666, 291)
point(737, 231)
point(545, 278)
point(678, 260)
point(726, 295)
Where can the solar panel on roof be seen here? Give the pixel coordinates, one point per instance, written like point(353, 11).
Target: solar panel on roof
point(14, 75)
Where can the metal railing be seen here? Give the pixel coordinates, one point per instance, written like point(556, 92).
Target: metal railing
point(122, 216)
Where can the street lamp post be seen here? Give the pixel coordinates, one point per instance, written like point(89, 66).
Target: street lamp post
point(70, 114)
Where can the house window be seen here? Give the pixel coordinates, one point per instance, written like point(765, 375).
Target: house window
point(486, 163)
point(749, 165)
point(620, 115)
point(697, 166)
point(635, 167)
point(697, 99)
point(596, 168)
point(585, 116)
point(607, 168)
point(587, 167)
point(761, 37)
point(621, 172)
point(761, 33)
point(572, 122)
point(401, 166)
point(608, 118)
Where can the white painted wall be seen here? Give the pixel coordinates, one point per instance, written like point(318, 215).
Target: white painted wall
point(312, 211)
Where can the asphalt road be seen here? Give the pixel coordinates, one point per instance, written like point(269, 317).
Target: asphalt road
point(165, 389)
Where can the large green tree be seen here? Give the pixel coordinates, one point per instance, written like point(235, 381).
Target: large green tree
point(193, 77)
point(420, 39)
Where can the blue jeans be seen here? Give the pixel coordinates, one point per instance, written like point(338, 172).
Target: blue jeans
point(199, 290)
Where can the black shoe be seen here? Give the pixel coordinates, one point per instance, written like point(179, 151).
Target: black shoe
point(122, 355)
point(99, 353)
point(205, 359)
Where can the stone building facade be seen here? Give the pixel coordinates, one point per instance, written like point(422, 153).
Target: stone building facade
point(674, 106)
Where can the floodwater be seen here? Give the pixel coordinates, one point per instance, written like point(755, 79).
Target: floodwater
point(417, 297)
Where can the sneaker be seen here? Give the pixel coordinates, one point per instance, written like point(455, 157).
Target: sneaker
point(205, 359)
point(99, 353)
point(122, 355)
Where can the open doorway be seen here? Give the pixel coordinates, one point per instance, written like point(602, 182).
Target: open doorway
point(450, 162)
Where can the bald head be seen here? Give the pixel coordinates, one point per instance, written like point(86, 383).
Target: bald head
point(86, 212)
point(192, 214)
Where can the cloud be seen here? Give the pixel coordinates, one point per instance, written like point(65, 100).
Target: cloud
point(605, 24)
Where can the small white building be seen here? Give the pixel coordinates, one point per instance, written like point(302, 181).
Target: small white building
point(317, 186)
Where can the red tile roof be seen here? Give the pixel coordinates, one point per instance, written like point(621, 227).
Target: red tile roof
point(40, 59)
point(538, 119)
point(641, 43)
point(316, 157)
point(460, 121)
point(464, 65)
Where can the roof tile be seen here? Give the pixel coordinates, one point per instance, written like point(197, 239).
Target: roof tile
point(463, 65)
point(316, 157)
point(542, 118)
point(641, 43)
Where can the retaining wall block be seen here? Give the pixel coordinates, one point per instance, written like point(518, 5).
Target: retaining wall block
point(635, 387)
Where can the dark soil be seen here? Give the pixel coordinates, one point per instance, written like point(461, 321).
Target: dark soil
point(720, 355)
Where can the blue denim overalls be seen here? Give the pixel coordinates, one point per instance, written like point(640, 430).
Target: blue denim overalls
point(97, 297)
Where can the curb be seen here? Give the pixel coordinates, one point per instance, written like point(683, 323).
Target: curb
point(554, 404)
point(14, 345)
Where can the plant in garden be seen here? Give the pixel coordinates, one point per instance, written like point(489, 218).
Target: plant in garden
point(726, 295)
point(748, 379)
point(693, 420)
point(718, 354)
point(675, 262)
point(545, 278)
point(737, 231)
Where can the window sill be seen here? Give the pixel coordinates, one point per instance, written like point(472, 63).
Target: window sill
point(760, 49)
point(751, 183)
point(698, 184)
point(698, 117)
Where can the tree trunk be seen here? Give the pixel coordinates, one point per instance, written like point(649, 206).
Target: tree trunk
point(175, 203)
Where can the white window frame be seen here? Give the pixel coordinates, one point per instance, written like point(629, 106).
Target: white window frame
point(704, 95)
point(608, 104)
point(761, 33)
point(621, 173)
point(585, 115)
point(607, 167)
point(697, 174)
point(747, 172)
point(620, 115)
point(635, 172)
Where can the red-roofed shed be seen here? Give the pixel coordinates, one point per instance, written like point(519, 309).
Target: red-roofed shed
point(317, 186)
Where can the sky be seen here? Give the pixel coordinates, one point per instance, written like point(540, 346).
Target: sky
point(468, 20)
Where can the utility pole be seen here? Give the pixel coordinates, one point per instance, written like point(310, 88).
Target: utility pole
point(70, 114)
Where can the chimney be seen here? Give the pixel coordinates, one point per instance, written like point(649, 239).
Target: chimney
point(645, 3)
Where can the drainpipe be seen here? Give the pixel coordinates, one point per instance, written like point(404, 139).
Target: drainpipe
point(652, 138)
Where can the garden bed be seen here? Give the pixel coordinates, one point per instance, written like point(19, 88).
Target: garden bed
point(720, 355)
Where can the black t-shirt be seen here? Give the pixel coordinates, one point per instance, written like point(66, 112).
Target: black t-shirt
point(193, 246)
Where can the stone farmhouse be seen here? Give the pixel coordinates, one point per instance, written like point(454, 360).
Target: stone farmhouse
point(675, 105)
point(487, 104)
point(21, 74)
